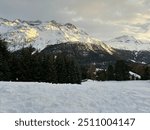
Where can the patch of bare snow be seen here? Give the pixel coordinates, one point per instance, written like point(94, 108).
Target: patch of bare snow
point(90, 96)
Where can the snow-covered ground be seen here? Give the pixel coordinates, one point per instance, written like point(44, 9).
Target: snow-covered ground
point(91, 96)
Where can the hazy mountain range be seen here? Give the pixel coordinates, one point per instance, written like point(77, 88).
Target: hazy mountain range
point(53, 37)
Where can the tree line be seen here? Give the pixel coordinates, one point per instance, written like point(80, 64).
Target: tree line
point(30, 65)
point(118, 71)
point(27, 65)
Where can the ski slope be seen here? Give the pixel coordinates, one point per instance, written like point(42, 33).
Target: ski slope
point(90, 96)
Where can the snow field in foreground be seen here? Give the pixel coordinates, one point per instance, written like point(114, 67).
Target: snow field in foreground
point(90, 96)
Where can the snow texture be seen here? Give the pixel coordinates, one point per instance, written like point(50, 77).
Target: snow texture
point(39, 35)
point(90, 96)
point(134, 74)
point(126, 42)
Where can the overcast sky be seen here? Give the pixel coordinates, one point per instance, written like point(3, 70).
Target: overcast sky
point(103, 19)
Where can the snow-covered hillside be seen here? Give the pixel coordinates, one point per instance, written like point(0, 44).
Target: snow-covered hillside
point(134, 75)
point(91, 96)
point(126, 42)
point(41, 34)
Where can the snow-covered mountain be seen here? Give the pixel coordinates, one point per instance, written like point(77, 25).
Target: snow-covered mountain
point(130, 43)
point(53, 37)
point(41, 34)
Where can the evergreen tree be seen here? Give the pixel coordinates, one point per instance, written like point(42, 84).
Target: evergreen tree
point(73, 71)
point(68, 71)
point(52, 70)
point(61, 69)
point(4, 61)
point(121, 71)
point(14, 67)
point(26, 64)
point(48, 69)
point(84, 70)
point(101, 75)
point(37, 67)
point(110, 73)
point(92, 72)
point(146, 75)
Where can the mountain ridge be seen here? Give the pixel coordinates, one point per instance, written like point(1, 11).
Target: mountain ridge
point(41, 34)
point(127, 42)
point(51, 35)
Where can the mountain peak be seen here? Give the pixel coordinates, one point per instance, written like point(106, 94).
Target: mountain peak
point(55, 23)
point(70, 26)
point(42, 34)
point(17, 21)
point(127, 42)
point(2, 19)
point(126, 39)
point(34, 23)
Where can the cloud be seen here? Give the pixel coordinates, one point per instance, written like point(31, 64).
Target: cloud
point(77, 19)
point(101, 18)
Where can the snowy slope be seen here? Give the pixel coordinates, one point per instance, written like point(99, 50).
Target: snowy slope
point(126, 42)
point(91, 96)
point(41, 34)
point(134, 74)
